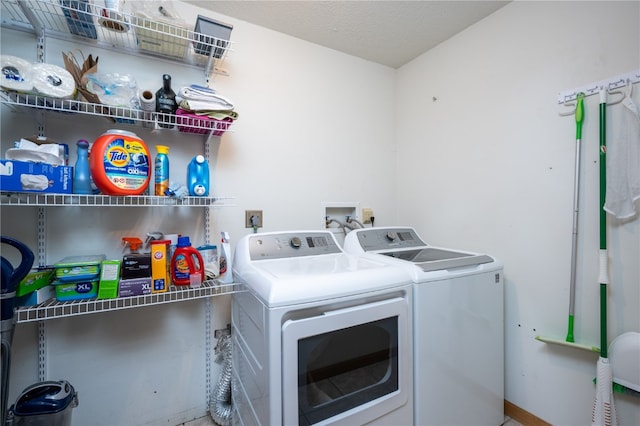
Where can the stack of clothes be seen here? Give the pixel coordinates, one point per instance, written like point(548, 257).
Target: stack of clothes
point(203, 107)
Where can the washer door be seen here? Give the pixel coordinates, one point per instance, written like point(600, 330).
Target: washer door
point(348, 365)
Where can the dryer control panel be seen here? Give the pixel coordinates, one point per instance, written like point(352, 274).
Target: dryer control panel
point(292, 244)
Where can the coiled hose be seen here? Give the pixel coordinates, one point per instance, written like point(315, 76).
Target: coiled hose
point(221, 409)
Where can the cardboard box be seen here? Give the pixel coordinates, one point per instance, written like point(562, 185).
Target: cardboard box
point(136, 265)
point(160, 265)
point(109, 278)
point(36, 297)
point(24, 176)
point(35, 280)
point(134, 287)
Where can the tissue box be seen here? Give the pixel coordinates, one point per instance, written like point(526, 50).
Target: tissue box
point(24, 176)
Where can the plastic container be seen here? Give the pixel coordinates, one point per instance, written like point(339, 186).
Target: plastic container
point(198, 177)
point(45, 404)
point(226, 274)
point(119, 163)
point(81, 173)
point(186, 261)
point(161, 168)
point(78, 268)
point(76, 290)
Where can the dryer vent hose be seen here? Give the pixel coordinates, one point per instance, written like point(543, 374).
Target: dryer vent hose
point(221, 408)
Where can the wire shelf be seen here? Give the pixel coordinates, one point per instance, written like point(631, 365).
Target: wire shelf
point(117, 114)
point(83, 22)
point(52, 309)
point(34, 199)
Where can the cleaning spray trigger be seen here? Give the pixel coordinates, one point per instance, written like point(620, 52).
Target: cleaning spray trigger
point(134, 244)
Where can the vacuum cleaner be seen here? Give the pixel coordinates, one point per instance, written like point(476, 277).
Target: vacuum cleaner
point(9, 280)
point(42, 404)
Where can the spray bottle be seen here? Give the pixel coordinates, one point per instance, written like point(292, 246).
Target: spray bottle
point(226, 273)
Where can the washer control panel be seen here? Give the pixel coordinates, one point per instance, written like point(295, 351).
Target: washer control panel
point(292, 244)
point(389, 238)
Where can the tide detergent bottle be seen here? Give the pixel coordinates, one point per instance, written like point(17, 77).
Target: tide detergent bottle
point(186, 261)
point(119, 163)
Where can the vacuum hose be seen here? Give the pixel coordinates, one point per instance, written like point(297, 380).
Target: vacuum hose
point(221, 408)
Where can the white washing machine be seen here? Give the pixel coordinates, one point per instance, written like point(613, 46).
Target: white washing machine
point(458, 326)
point(320, 336)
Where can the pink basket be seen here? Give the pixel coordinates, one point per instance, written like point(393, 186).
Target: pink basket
point(188, 122)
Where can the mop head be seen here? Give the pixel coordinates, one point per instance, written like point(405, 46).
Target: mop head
point(604, 410)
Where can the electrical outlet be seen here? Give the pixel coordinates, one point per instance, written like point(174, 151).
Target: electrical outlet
point(248, 214)
point(367, 214)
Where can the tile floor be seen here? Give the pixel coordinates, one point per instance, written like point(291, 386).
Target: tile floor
point(207, 421)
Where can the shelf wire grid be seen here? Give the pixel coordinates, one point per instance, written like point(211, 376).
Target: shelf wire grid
point(34, 199)
point(54, 309)
point(120, 30)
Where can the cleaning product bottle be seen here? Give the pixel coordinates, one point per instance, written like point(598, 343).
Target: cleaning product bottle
point(119, 163)
point(226, 273)
point(198, 177)
point(185, 263)
point(81, 173)
point(161, 170)
point(166, 103)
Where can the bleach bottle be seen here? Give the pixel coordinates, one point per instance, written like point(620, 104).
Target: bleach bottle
point(226, 273)
point(198, 177)
point(185, 263)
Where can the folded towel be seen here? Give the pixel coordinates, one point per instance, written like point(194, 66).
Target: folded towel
point(201, 97)
point(623, 161)
point(218, 114)
point(198, 106)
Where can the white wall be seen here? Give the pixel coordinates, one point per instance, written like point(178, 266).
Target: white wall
point(496, 167)
point(488, 166)
point(307, 114)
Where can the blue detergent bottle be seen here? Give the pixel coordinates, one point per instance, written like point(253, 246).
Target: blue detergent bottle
point(198, 177)
point(81, 173)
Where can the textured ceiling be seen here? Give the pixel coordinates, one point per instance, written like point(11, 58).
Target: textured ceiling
point(391, 33)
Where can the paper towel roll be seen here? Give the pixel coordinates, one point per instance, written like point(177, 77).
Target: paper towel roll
point(53, 81)
point(148, 105)
point(16, 74)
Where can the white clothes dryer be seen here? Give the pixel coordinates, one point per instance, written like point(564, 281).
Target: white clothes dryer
point(320, 336)
point(458, 325)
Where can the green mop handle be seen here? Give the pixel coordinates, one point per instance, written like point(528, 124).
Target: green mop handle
point(604, 279)
point(579, 115)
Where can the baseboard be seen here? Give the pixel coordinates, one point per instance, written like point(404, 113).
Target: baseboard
point(522, 416)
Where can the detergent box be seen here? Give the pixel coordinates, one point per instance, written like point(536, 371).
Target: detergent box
point(25, 176)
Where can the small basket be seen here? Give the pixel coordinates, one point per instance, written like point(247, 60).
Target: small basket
point(188, 122)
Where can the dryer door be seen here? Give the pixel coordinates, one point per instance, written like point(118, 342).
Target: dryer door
point(347, 366)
